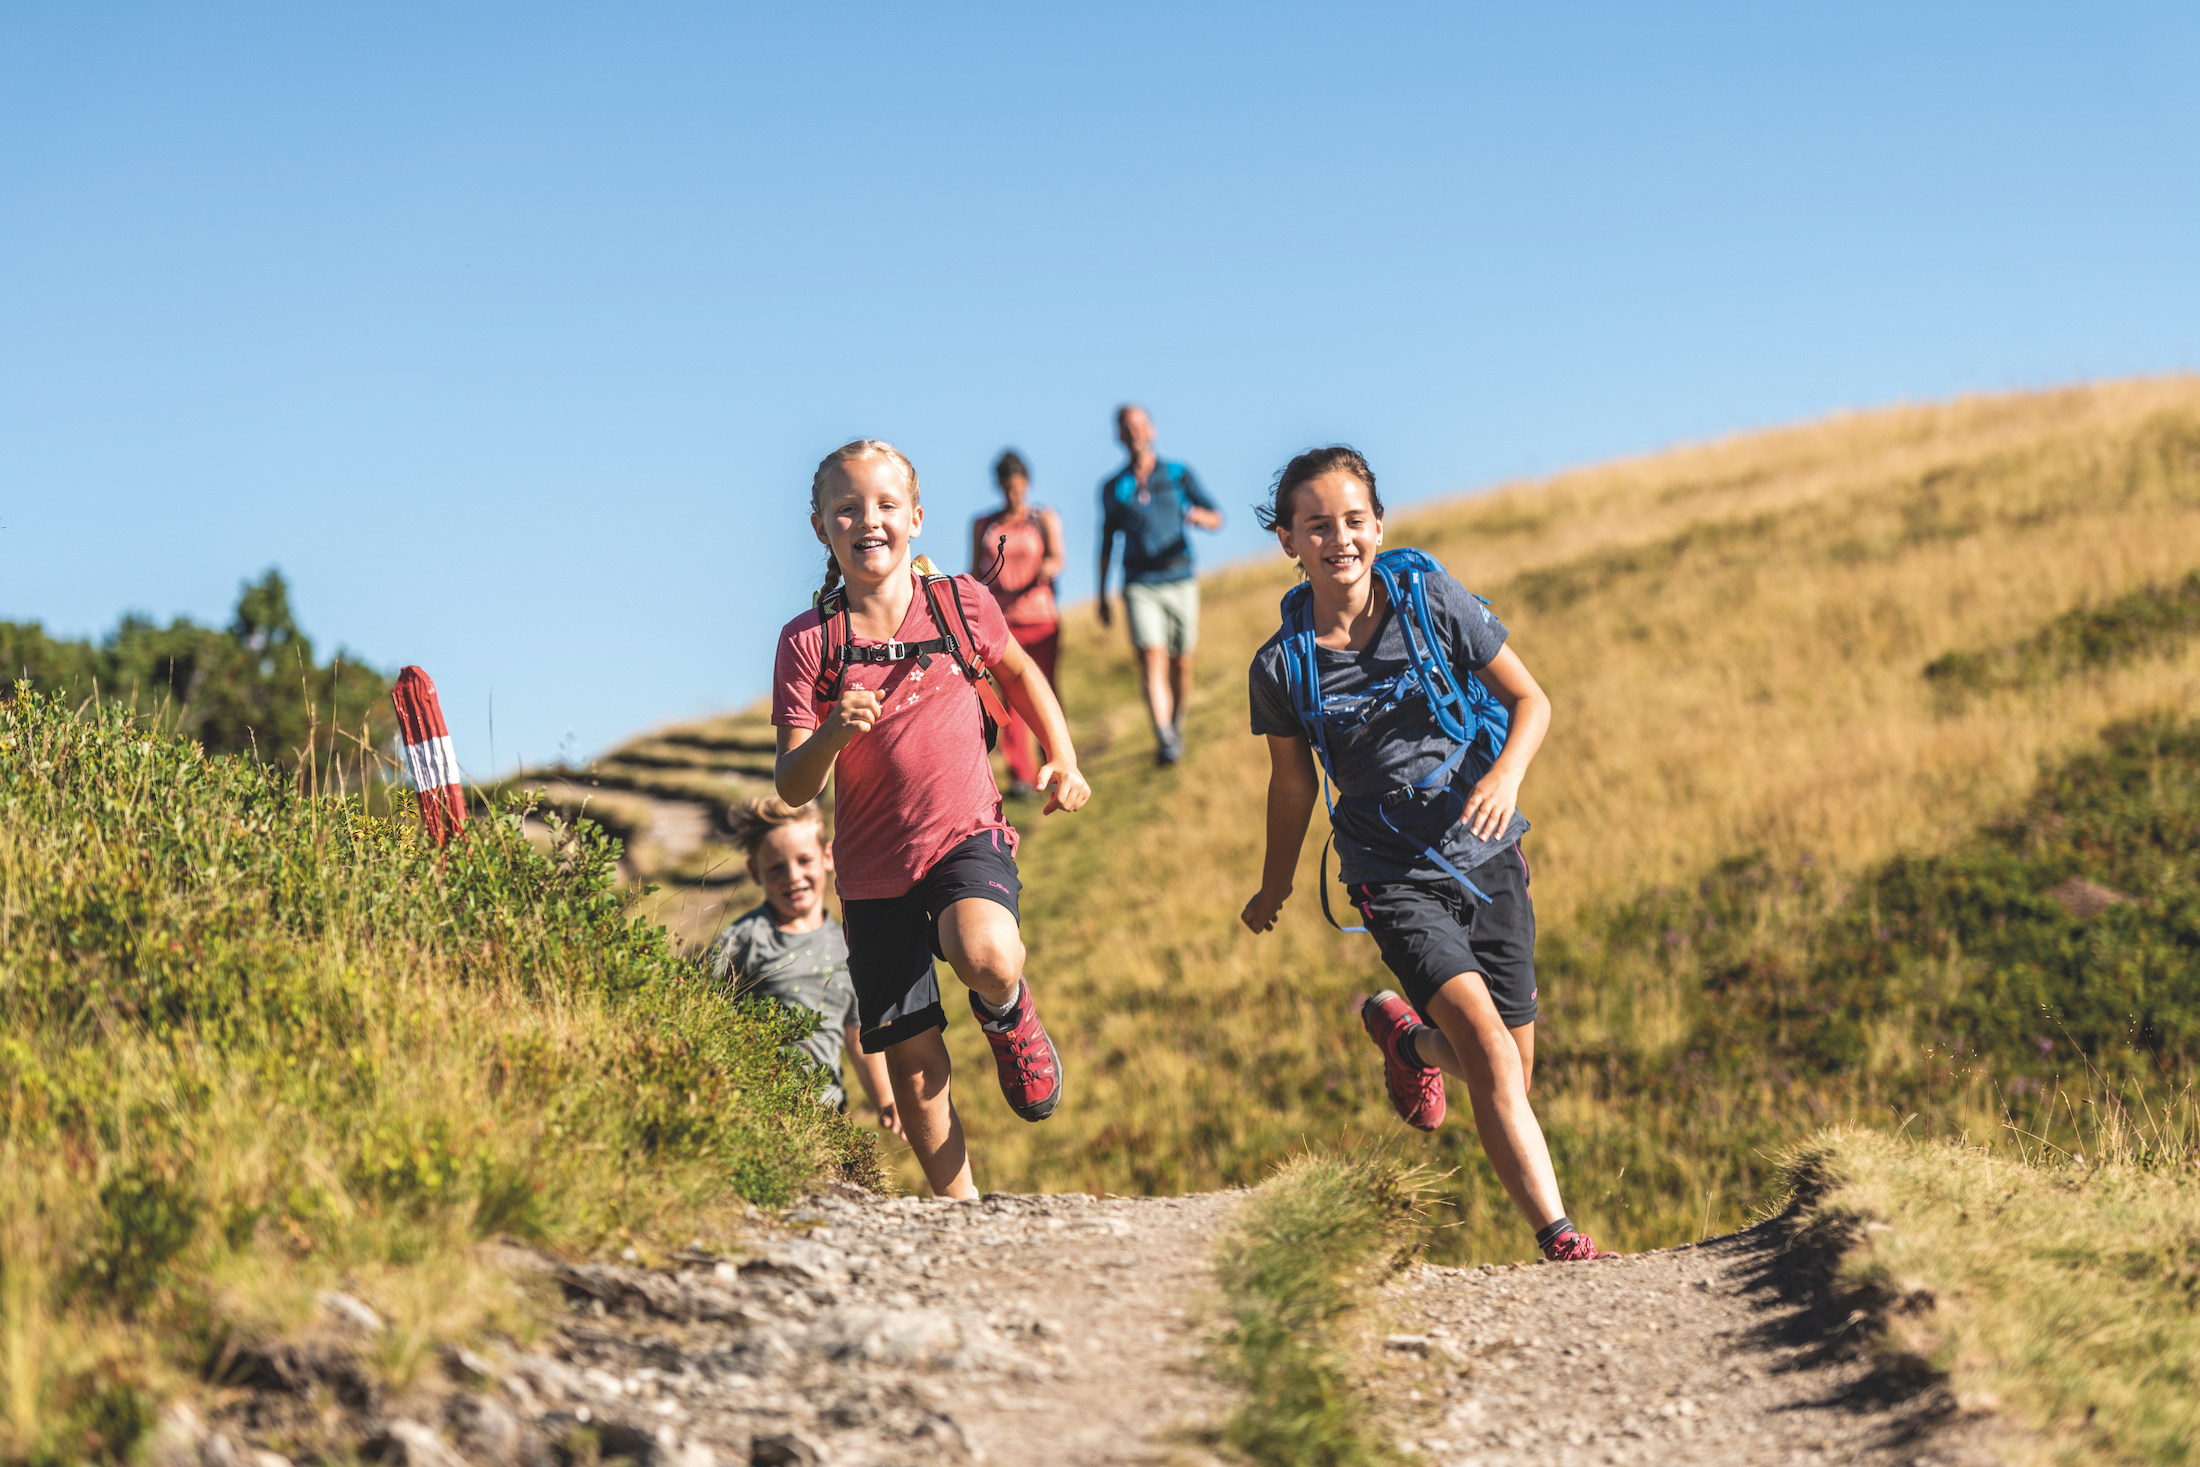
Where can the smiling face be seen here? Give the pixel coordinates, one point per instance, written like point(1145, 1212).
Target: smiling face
point(867, 515)
point(1334, 530)
point(1016, 489)
point(791, 865)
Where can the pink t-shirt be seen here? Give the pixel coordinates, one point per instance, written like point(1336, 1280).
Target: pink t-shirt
point(919, 783)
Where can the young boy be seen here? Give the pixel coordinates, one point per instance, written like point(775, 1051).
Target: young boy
point(787, 951)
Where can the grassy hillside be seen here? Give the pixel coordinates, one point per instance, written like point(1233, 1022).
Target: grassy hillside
point(1737, 639)
point(2060, 1292)
point(258, 1042)
point(1828, 754)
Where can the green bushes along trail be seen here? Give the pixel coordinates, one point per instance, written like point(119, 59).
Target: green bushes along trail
point(256, 1043)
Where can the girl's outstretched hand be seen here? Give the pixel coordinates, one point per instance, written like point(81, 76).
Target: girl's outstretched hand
point(1070, 789)
point(1260, 912)
point(857, 710)
point(1490, 807)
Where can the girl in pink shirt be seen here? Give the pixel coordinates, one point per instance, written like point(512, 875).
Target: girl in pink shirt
point(879, 701)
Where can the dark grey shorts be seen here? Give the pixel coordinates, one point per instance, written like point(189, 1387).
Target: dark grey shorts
point(1432, 931)
point(893, 940)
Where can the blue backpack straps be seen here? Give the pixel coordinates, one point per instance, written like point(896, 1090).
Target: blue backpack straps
point(1302, 676)
point(1463, 708)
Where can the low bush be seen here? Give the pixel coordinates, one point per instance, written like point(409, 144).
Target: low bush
point(261, 1043)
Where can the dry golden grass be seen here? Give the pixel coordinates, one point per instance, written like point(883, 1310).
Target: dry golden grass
point(1733, 636)
point(2057, 1292)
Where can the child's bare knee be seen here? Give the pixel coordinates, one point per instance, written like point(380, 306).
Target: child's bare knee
point(1000, 957)
point(918, 1065)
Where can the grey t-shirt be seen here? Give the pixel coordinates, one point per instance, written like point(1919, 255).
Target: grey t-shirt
point(1398, 748)
point(807, 970)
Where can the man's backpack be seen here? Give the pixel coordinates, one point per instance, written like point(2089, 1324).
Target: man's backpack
point(1462, 705)
point(840, 649)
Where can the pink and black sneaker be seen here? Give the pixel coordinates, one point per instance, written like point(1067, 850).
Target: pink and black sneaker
point(1571, 1247)
point(1416, 1090)
point(1031, 1068)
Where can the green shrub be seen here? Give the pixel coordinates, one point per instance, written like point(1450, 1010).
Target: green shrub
point(2153, 621)
point(261, 1041)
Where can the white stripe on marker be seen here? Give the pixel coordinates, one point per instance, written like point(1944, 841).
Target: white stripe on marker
point(432, 765)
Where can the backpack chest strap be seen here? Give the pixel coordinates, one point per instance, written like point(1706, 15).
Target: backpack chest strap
point(892, 651)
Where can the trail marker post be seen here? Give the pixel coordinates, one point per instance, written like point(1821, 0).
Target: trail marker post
point(431, 762)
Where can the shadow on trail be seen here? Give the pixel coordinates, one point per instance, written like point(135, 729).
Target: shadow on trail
point(1811, 1320)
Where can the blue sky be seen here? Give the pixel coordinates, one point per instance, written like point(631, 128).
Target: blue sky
point(512, 333)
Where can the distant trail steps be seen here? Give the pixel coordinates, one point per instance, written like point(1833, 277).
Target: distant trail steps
point(665, 795)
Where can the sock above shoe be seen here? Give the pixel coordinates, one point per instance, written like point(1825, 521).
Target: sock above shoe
point(1004, 1010)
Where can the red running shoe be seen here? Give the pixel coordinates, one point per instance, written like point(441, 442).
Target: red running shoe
point(1416, 1091)
point(1571, 1247)
point(1031, 1068)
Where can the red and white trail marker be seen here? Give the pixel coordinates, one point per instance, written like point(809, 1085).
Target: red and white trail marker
point(431, 763)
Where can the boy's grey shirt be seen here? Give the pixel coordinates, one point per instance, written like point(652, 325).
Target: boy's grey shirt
point(1399, 748)
point(807, 970)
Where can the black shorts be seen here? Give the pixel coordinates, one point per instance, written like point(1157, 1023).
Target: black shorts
point(1432, 931)
point(893, 940)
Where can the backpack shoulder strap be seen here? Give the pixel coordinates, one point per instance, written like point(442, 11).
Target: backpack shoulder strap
point(835, 634)
point(1404, 574)
point(963, 649)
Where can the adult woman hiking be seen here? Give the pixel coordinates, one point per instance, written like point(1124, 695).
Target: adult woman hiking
point(1017, 550)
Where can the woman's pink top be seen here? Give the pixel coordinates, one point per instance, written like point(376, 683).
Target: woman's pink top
point(1026, 601)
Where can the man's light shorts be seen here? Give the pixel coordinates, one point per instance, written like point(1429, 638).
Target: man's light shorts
point(1166, 615)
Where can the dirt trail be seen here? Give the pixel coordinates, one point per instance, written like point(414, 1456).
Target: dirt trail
point(1718, 1353)
point(866, 1332)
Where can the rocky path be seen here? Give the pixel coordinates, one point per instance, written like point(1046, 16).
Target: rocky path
point(1715, 1354)
point(866, 1332)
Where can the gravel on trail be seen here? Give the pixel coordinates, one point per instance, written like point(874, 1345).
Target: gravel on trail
point(1719, 1353)
point(859, 1331)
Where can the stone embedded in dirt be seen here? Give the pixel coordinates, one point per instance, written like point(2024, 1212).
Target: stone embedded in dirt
point(406, 1443)
point(785, 1449)
point(344, 1309)
point(177, 1437)
point(485, 1431)
point(2084, 899)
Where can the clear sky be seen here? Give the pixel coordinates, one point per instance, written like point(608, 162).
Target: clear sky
point(511, 334)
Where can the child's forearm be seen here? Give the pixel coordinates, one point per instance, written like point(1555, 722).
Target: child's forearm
point(1530, 721)
point(800, 772)
point(1035, 702)
point(1290, 808)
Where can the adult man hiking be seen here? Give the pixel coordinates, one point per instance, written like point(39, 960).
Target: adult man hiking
point(1150, 503)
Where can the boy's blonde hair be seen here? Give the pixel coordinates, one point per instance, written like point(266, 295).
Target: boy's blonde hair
point(753, 820)
point(853, 449)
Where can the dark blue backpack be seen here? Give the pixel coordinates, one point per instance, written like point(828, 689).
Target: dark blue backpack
point(1463, 707)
